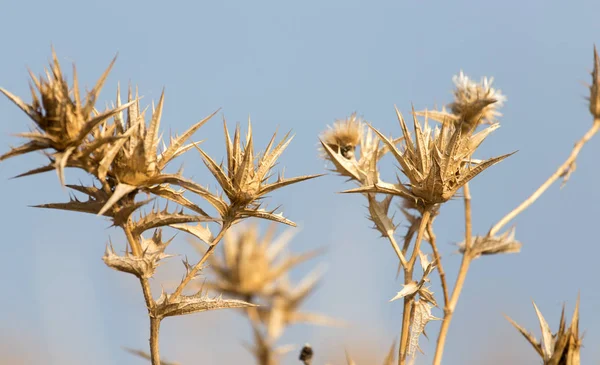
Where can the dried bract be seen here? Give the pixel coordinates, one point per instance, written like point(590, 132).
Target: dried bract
point(420, 316)
point(476, 102)
point(62, 120)
point(188, 304)
point(344, 136)
point(560, 348)
point(491, 245)
point(134, 161)
point(594, 97)
point(243, 182)
point(144, 266)
point(437, 163)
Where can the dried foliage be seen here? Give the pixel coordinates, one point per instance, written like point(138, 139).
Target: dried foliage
point(560, 348)
point(126, 157)
point(434, 164)
point(255, 268)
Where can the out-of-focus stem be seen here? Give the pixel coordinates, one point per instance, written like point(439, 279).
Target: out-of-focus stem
point(460, 281)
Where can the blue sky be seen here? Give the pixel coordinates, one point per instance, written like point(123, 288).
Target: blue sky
point(300, 66)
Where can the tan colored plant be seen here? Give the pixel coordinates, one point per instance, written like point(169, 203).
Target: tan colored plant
point(435, 164)
point(125, 158)
point(560, 348)
point(255, 269)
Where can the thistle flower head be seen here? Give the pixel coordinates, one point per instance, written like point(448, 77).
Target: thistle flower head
point(245, 178)
point(344, 136)
point(476, 102)
point(358, 165)
point(62, 120)
point(436, 162)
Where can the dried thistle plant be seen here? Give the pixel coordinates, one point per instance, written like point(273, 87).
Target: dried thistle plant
point(435, 164)
point(126, 157)
point(255, 269)
point(560, 348)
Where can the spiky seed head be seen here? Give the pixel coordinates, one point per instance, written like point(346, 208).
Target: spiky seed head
point(475, 102)
point(595, 87)
point(437, 162)
point(63, 122)
point(344, 136)
point(245, 178)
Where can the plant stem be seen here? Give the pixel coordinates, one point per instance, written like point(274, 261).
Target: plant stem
point(154, 347)
point(192, 273)
point(560, 172)
point(397, 250)
point(460, 281)
point(438, 261)
point(408, 274)
point(136, 249)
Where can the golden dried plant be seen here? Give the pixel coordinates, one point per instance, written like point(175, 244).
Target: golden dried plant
point(126, 157)
point(255, 268)
point(560, 348)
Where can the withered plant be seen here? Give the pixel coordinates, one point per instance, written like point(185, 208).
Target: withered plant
point(125, 155)
point(254, 269)
point(434, 163)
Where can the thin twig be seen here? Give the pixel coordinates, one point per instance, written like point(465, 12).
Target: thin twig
point(192, 273)
point(438, 261)
point(397, 250)
point(408, 274)
point(560, 172)
point(460, 280)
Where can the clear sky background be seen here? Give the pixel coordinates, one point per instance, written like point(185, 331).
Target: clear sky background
point(300, 66)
